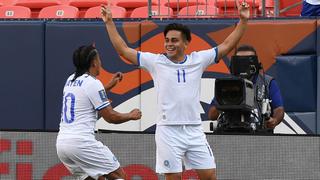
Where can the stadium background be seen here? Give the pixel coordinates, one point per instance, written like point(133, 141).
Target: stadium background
point(36, 59)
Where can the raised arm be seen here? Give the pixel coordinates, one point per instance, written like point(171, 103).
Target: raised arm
point(116, 78)
point(231, 41)
point(116, 40)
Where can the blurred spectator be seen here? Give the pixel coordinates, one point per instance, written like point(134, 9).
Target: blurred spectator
point(310, 8)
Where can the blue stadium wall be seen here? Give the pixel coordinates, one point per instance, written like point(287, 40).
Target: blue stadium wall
point(36, 58)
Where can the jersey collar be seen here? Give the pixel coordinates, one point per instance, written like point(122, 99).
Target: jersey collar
point(185, 59)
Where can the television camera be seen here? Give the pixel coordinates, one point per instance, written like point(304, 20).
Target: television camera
point(235, 98)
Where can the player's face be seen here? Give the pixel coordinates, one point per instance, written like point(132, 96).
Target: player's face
point(245, 53)
point(175, 45)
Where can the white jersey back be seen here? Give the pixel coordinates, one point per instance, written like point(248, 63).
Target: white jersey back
point(82, 99)
point(178, 85)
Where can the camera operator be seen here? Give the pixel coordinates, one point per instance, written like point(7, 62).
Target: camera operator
point(260, 81)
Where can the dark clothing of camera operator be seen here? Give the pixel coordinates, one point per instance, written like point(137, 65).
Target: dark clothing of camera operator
point(265, 88)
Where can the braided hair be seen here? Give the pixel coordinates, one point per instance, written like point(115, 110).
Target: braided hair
point(82, 58)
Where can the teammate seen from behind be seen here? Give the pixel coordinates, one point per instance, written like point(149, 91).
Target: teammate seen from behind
point(84, 100)
point(176, 76)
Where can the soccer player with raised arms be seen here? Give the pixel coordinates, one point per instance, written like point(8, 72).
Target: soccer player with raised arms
point(176, 76)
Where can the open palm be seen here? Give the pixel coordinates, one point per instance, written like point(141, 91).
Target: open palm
point(244, 10)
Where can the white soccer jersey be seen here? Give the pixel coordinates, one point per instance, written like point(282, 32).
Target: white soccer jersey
point(81, 101)
point(178, 85)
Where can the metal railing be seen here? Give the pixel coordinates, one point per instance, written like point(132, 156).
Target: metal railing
point(214, 8)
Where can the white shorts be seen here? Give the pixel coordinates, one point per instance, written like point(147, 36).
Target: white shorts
point(85, 158)
point(179, 145)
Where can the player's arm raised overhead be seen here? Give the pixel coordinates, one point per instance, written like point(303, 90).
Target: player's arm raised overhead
point(116, 40)
point(231, 41)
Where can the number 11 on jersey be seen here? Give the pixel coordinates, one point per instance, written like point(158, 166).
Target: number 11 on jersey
point(181, 75)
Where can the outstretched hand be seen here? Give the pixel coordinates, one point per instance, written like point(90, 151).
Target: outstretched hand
point(244, 10)
point(106, 12)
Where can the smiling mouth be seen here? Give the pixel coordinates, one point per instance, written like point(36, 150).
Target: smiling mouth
point(171, 49)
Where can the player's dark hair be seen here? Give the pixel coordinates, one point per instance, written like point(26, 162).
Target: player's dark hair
point(245, 47)
point(82, 58)
point(185, 31)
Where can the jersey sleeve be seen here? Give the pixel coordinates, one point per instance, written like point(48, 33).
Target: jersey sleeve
point(147, 60)
point(97, 95)
point(213, 102)
point(275, 95)
point(208, 57)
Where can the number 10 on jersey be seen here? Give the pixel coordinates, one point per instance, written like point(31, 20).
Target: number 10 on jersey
point(68, 108)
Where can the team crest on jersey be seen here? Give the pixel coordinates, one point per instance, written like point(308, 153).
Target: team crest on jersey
point(166, 163)
point(115, 158)
point(103, 95)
